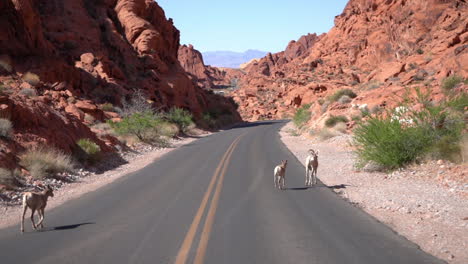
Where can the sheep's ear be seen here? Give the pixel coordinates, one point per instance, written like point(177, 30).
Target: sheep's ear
point(316, 152)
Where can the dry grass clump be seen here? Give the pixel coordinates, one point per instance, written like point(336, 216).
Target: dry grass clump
point(45, 162)
point(28, 92)
point(7, 177)
point(31, 78)
point(6, 127)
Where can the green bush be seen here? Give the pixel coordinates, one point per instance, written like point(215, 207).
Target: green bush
point(6, 127)
point(302, 115)
point(91, 149)
point(181, 117)
point(144, 126)
point(337, 95)
point(43, 162)
point(333, 120)
point(450, 82)
point(402, 137)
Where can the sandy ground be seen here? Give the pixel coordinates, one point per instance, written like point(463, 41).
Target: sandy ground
point(10, 214)
point(432, 213)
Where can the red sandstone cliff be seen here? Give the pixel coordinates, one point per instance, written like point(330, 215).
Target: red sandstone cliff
point(86, 53)
point(376, 48)
point(206, 76)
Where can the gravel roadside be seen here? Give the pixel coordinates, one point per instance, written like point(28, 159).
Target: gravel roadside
point(422, 203)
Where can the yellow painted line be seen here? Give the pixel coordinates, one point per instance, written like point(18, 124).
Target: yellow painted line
point(187, 244)
point(205, 235)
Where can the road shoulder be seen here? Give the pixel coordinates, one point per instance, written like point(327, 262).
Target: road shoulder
point(431, 213)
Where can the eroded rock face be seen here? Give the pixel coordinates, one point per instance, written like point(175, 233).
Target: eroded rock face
point(376, 48)
point(206, 76)
point(87, 53)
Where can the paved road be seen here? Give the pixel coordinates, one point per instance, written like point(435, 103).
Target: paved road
point(212, 201)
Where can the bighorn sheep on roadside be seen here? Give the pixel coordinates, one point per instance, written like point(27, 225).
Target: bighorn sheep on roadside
point(280, 175)
point(311, 168)
point(36, 201)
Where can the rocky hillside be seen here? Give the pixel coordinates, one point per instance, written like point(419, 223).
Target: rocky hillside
point(60, 61)
point(377, 48)
point(206, 76)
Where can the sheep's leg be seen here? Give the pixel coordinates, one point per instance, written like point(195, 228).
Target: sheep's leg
point(32, 218)
point(307, 177)
point(41, 217)
point(22, 217)
point(315, 175)
point(282, 183)
point(274, 180)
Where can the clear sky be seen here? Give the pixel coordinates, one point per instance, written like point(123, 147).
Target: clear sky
point(213, 25)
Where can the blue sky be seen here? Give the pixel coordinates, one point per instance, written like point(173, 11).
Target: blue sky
point(212, 25)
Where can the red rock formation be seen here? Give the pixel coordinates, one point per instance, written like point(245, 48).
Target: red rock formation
point(377, 48)
point(203, 75)
point(86, 53)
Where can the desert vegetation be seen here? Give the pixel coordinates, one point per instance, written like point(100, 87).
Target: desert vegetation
point(45, 162)
point(405, 135)
point(302, 115)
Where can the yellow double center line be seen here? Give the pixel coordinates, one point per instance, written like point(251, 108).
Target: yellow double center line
point(205, 234)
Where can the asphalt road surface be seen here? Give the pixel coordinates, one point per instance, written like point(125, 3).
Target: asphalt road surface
point(212, 201)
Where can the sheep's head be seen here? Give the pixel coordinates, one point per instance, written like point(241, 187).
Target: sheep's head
point(49, 191)
point(284, 163)
point(313, 152)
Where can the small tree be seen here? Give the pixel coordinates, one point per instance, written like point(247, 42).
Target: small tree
point(141, 125)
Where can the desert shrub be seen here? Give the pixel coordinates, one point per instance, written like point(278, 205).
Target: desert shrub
point(91, 149)
point(326, 133)
point(321, 101)
point(6, 127)
point(420, 51)
point(371, 85)
point(28, 92)
point(450, 82)
point(31, 78)
point(7, 177)
point(89, 119)
point(181, 117)
point(4, 88)
point(103, 129)
point(144, 126)
point(338, 94)
point(208, 120)
point(402, 137)
point(344, 99)
point(389, 143)
point(324, 106)
point(340, 127)
point(333, 120)
point(302, 115)
point(458, 102)
point(168, 129)
point(108, 107)
point(138, 103)
point(5, 63)
point(43, 162)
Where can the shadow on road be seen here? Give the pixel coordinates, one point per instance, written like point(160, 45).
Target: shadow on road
point(340, 186)
point(65, 227)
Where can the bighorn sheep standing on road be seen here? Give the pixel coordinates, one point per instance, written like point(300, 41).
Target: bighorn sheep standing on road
point(36, 201)
point(280, 175)
point(311, 168)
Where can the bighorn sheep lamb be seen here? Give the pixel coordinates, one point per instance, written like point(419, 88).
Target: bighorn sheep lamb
point(311, 168)
point(36, 201)
point(280, 175)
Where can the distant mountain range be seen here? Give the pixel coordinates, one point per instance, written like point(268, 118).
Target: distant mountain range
point(231, 59)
